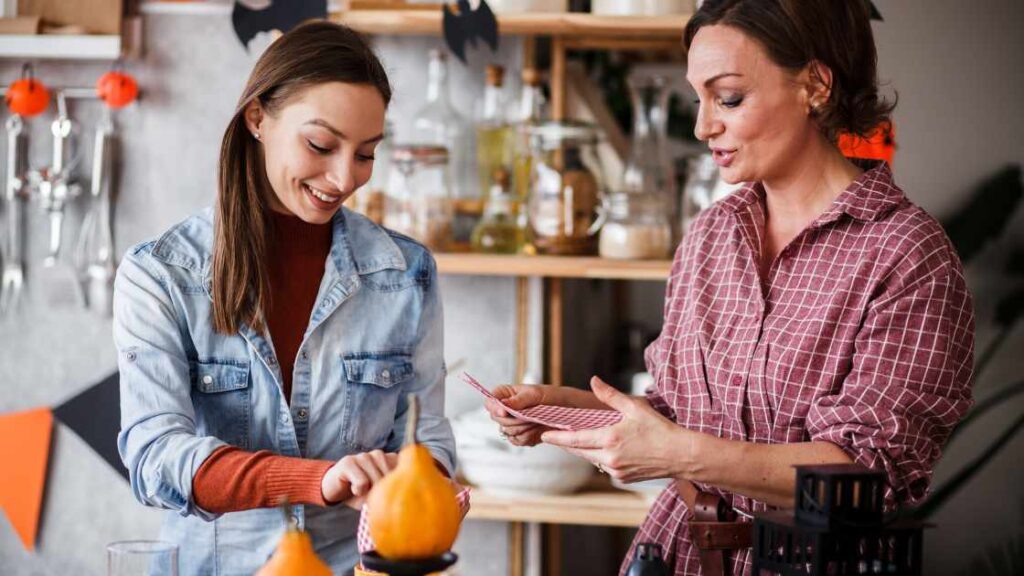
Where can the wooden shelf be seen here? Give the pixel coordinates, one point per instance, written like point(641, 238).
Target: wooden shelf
point(552, 266)
point(84, 47)
point(566, 25)
point(601, 507)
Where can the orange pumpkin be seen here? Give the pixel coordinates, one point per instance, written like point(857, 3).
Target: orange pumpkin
point(117, 89)
point(294, 556)
point(27, 97)
point(413, 513)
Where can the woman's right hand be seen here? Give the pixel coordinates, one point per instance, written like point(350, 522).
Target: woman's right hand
point(351, 478)
point(519, 397)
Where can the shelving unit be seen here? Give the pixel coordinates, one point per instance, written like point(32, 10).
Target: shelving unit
point(51, 46)
point(604, 506)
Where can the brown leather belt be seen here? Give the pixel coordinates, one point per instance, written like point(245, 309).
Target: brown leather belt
point(714, 529)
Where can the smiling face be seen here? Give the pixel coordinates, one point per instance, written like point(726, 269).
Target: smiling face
point(754, 115)
point(318, 148)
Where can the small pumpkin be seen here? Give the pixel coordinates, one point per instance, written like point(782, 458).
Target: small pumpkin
point(27, 96)
point(413, 511)
point(117, 89)
point(294, 555)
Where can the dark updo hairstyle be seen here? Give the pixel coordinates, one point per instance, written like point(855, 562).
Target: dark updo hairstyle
point(836, 33)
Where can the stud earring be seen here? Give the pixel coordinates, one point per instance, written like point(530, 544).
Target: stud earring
point(256, 135)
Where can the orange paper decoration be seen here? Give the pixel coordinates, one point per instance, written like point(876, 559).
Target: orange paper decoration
point(24, 451)
point(117, 89)
point(880, 145)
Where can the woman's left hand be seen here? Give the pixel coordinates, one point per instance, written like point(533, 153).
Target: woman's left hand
point(644, 445)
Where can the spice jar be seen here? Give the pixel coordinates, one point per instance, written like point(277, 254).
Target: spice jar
point(419, 201)
point(566, 188)
point(638, 227)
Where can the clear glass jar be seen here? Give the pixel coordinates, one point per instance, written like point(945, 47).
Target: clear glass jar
point(439, 123)
point(638, 228)
point(566, 188)
point(419, 202)
point(498, 232)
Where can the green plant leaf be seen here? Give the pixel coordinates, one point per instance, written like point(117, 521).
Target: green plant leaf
point(987, 213)
point(943, 493)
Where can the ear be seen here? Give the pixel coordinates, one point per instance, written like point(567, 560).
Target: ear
point(817, 84)
point(253, 117)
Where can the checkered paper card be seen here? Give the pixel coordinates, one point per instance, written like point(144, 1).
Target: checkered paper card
point(365, 542)
point(558, 417)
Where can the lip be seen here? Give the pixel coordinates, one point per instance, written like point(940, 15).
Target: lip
point(723, 157)
point(320, 204)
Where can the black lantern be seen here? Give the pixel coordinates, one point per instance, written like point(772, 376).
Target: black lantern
point(837, 529)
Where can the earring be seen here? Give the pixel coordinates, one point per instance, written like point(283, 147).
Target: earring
point(256, 135)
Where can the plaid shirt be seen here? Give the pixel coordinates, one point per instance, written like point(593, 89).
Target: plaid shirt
point(862, 334)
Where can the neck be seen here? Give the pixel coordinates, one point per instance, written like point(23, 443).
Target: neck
point(815, 179)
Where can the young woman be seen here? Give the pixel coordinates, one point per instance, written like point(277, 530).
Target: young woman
point(267, 346)
point(814, 316)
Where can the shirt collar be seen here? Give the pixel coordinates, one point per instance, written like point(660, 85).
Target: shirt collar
point(872, 195)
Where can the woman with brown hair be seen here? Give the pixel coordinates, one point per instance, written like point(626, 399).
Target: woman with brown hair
point(267, 347)
point(814, 316)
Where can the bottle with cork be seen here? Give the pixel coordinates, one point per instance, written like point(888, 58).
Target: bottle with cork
point(493, 133)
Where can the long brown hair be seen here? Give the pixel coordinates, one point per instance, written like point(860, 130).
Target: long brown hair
point(313, 53)
point(836, 33)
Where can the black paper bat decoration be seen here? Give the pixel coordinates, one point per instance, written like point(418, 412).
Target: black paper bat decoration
point(282, 15)
point(468, 25)
point(875, 14)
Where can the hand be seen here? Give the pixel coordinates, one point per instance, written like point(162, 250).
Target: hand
point(516, 431)
point(643, 446)
point(351, 478)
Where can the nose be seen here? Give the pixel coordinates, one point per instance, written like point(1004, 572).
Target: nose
point(342, 175)
point(707, 125)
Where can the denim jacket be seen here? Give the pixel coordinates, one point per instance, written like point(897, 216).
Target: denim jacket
point(375, 335)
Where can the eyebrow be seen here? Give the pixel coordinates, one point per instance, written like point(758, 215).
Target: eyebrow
point(339, 133)
point(717, 77)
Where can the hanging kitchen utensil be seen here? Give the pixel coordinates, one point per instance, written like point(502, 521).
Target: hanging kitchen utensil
point(56, 189)
point(94, 253)
point(12, 280)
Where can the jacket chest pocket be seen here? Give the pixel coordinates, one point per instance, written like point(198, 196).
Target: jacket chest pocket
point(221, 398)
point(372, 388)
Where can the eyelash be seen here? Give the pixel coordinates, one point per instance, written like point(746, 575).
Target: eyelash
point(734, 102)
point(325, 151)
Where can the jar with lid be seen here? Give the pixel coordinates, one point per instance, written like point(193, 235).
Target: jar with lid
point(419, 201)
point(638, 227)
point(700, 192)
point(566, 187)
point(498, 232)
point(369, 200)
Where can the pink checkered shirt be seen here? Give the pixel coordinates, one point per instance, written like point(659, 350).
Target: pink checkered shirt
point(862, 335)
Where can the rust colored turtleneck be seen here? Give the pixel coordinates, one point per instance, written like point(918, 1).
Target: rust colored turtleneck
point(232, 479)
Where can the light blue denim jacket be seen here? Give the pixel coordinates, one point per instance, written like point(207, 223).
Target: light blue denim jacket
point(375, 335)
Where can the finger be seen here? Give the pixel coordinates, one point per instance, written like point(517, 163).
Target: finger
point(392, 460)
point(357, 478)
point(380, 461)
point(517, 429)
point(504, 391)
point(577, 439)
point(610, 396)
point(511, 421)
point(495, 409)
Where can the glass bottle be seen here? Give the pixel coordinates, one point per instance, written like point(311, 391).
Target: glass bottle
point(699, 191)
point(438, 123)
point(530, 111)
point(498, 231)
point(493, 133)
point(649, 169)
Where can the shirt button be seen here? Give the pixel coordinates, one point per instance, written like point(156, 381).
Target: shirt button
point(207, 379)
point(130, 356)
point(301, 414)
point(737, 380)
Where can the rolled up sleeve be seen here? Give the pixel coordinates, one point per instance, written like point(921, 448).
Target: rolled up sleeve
point(908, 386)
point(157, 441)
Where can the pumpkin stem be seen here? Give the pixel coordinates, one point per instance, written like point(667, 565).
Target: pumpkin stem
point(414, 417)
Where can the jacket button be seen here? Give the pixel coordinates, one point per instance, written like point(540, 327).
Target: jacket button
point(207, 379)
point(301, 414)
point(385, 374)
point(305, 355)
